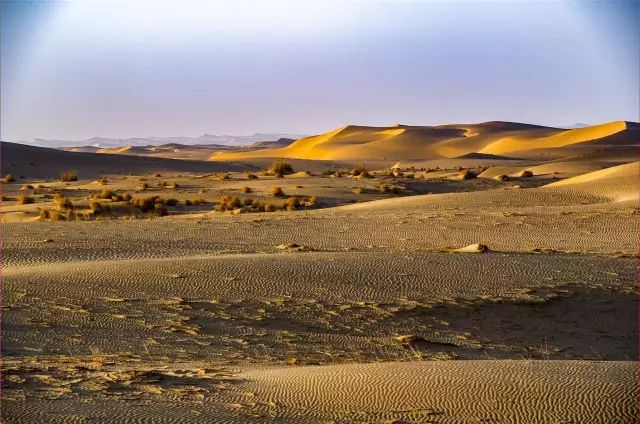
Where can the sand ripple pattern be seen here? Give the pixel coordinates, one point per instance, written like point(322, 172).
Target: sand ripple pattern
point(456, 392)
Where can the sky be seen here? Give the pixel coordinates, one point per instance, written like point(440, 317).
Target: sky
point(78, 69)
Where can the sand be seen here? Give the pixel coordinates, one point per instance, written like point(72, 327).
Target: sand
point(366, 305)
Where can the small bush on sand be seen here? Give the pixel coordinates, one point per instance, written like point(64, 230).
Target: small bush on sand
point(251, 176)
point(23, 199)
point(358, 190)
point(292, 203)
point(161, 209)
point(157, 175)
point(145, 204)
point(312, 200)
point(466, 174)
point(228, 203)
point(9, 178)
point(96, 208)
point(144, 186)
point(174, 186)
point(69, 175)
point(44, 214)
point(360, 171)
point(280, 168)
point(277, 192)
point(105, 194)
point(103, 181)
point(171, 202)
point(246, 189)
point(62, 202)
point(223, 176)
point(525, 174)
point(384, 188)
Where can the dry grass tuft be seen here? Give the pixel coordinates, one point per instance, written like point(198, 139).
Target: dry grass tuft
point(69, 175)
point(279, 168)
point(246, 189)
point(9, 178)
point(466, 174)
point(23, 199)
point(277, 192)
point(228, 203)
point(358, 190)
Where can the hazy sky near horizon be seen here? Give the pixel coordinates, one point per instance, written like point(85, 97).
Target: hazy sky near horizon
point(77, 69)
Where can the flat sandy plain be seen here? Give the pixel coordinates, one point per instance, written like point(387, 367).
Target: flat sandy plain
point(355, 307)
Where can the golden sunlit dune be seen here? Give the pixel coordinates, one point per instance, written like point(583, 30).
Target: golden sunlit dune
point(423, 142)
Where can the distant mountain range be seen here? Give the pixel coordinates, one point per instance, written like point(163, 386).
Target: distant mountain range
point(205, 139)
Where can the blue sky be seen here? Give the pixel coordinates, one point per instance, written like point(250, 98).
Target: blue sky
point(79, 69)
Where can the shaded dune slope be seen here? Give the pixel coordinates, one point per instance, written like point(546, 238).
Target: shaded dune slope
point(39, 162)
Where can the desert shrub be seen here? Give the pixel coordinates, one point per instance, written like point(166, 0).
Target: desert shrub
point(466, 174)
point(144, 186)
point(358, 190)
point(26, 187)
point(228, 203)
point(3, 198)
point(9, 178)
point(312, 200)
point(360, 171)
point(171, 202)
point(223, 176)
point(384, 188)
point(251, 176)
point(269, 207)
point(277, 192)
point(62, 202)
point(246, 189)
point(280, 168)
point(96, 207)
point(105, 194)
point(396, 189)
point(44, 214)
point(161, 209)
point(174, 186)
point(23, 199)
point(103, 181)
point(124, 197)
point(69, 175)
point(501, 177)
point(157, 174)
point(247, 202)
point(526, 174)
point(292, 203)
point(57, 215)
point(146, 204)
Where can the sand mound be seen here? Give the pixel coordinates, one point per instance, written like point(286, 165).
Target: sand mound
point(473, 248)
point(619, 183)
point(468, 391)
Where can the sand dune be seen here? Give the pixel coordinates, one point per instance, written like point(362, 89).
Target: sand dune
point(620, 183)
point(39, 162)
point(404, 142)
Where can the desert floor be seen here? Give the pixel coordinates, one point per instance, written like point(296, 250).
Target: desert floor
point(355, 306)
